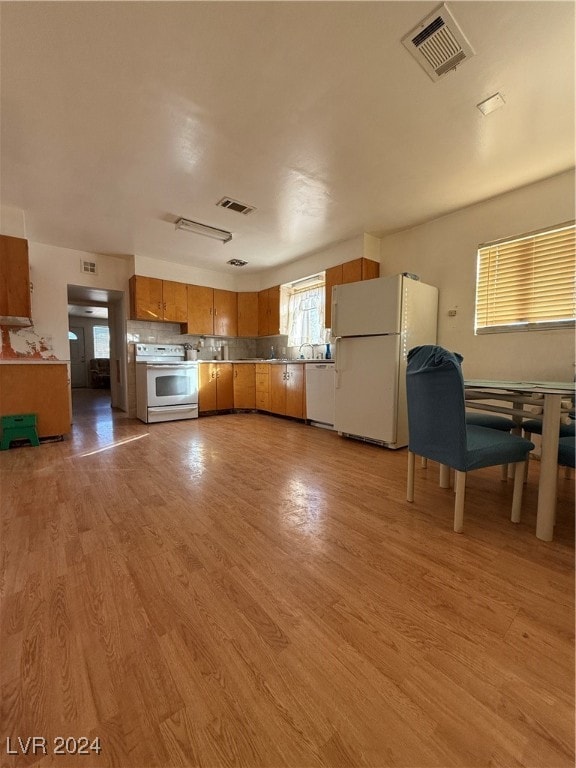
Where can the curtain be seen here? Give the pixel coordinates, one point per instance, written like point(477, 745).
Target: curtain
point(306, 317)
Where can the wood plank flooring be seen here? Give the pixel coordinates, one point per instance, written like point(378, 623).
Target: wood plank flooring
point(245, 590)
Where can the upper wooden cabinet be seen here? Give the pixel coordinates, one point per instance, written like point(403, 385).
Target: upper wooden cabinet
point(349, 272)
point(212, 311)
point(155, 299)
point(248, 313)
point(269, 311)
point(14, 282)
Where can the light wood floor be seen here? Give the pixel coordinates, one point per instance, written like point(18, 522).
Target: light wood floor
point(244, 590)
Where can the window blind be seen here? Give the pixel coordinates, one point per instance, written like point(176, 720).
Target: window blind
point(528, 282)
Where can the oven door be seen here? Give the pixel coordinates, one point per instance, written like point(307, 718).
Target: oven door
point(171, 384)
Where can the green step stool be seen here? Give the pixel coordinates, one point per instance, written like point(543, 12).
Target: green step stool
point(19, 427)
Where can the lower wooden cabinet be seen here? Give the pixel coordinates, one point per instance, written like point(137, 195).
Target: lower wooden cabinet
point(215, 387)
point(263, 386)
point(287, 390)
point(40, 388)
point(245, 385)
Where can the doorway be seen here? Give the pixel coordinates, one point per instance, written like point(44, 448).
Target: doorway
point(97, 318)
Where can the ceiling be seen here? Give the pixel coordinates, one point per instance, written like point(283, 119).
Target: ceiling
point(119, 117)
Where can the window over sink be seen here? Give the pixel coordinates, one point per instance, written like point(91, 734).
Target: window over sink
point(302, 310)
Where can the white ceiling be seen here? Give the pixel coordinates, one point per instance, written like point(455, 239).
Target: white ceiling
point(119, 117)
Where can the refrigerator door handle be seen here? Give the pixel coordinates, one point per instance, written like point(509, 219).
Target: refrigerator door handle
point(337, 362)
point(334, 312)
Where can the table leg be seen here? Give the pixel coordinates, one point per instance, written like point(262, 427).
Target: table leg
point(548, 468)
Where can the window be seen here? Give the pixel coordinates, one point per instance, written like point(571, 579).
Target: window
point(527, 283)
point(101, 334)
point(302, 313)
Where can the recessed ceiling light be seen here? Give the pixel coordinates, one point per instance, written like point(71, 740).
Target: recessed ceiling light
point(491, 103)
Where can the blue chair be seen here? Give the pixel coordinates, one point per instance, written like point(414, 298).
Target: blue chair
point(437, 427)
point(534, 427)
point(491, 421)
point(566, 451)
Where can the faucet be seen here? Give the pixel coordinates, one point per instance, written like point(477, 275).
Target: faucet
point(300, 350)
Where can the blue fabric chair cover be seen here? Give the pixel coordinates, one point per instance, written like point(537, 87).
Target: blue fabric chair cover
point(437, 416)
point(492, 421)
point(566, 451)
point(534, 427)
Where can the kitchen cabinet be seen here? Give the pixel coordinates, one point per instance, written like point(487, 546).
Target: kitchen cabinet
point(269, 311)
point(15, 307)
point(263, 386)
point(212, 311)
point(159, 300)
point(349, 272)
point(248, 313)
point(245, 385)
point(287, 390)
point(40, 388)
point(215, 387)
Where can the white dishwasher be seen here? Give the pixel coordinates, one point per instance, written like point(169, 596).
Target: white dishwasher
point(320, 393)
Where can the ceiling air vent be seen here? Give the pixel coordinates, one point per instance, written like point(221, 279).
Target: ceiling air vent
point(234, 205)
point(237, 262)
point(438, 44)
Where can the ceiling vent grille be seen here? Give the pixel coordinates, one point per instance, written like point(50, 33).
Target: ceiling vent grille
point(237, 262)
point(438, 44)
point(234, 205)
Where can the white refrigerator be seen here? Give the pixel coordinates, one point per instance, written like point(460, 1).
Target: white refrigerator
point(375, 323)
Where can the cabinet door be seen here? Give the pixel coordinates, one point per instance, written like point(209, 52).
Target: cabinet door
point(263, 313)
point(224, 386)
point(370, 269)
point(352, 271)
point(244, 386)
point(146, 300)
point(274, 310)
point(225, 313)
point(200, 310)
point(175, 301)
point(333, 277)
point(295, 391)
point(42, 389)
point(278, 388)
point(14, 278)
point(263, 386)
point(207, 400)
point(248, 313)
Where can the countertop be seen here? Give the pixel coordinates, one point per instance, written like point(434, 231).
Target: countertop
point(268, 362)
point(31, 361)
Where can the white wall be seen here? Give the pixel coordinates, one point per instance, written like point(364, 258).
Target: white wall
point(52, 269)
point(443, 253)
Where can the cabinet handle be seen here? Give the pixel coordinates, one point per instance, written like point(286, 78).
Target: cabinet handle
point(213, 374)
point(218, 373)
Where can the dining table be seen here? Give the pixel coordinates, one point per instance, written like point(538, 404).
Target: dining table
point(550, 401)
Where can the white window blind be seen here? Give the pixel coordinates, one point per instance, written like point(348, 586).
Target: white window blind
point(528, 282)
